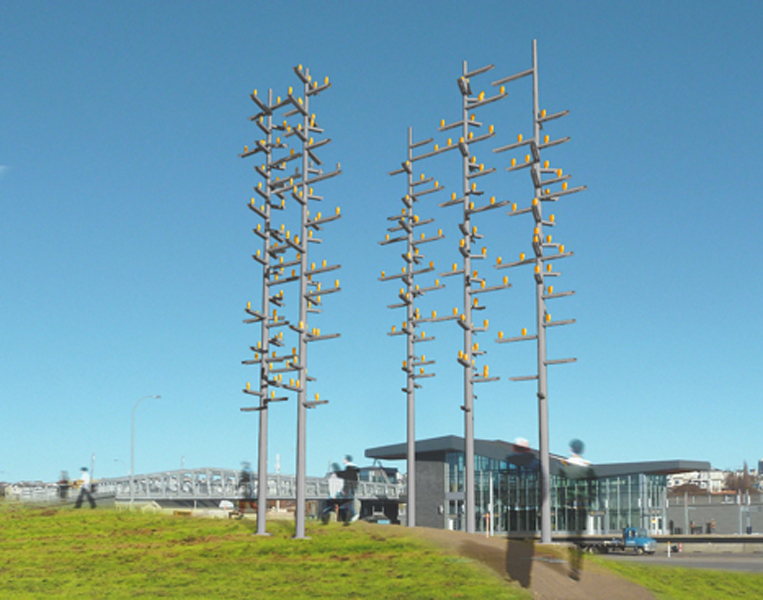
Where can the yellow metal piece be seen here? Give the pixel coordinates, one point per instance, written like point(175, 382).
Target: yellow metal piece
point(551, 289)
point(500, 335)
point(498, 260)
point(561, 248)
point(513, 162)
point(520, 137)
point(564, 185)
point(524, 331)
point(545, 165)
point(545, 139)
point(514, 206)
point(527, 158)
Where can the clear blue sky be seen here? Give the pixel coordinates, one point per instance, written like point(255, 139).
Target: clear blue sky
point(125, 238)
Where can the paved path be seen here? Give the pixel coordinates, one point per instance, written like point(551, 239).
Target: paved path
point(544, 572)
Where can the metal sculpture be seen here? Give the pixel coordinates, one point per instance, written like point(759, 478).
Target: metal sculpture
point(285, 259)
point(549, 189)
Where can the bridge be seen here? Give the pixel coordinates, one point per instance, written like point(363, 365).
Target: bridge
point(207, 485)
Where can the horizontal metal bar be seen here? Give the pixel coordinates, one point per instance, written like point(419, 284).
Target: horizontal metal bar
point(338, 171)
point(323, 269)
point(314, 403)
point(562, 113)
point(480, 173)
point(421, 143)
point(525, 378)
point(512, 146)
point(485, 379)
point(553, 143)
point(552, 196)
point(558, 295)
point(558, 323)
point(451, 202)
point(491, 289)
point(479, 71)
point(317, 338)
point(516, 339)
point(449, 126)
point(435, 152)
point(560, 361)
point(513, 77)
point(317, 90)
point(522, 166)
point(487, 101)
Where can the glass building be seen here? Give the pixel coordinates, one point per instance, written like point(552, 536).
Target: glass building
point(595, 499)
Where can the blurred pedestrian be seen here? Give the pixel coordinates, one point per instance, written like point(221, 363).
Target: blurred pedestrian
point(246, 485)
point(63, 486)
point(85, 489)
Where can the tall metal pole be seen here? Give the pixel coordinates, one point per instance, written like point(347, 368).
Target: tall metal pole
point(469, 505)
point(542, 268)
point(299, 511)
point(406, 223)
point(472, 283)
point(277, 244)
point(262, 440)
point(543, 444)
point(132, 449)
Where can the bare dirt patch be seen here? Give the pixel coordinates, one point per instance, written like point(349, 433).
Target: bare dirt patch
point(546, 572)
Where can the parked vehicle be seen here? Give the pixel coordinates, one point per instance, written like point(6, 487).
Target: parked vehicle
point(634, 539)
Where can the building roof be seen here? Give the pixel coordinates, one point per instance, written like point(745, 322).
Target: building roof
point(436, 448)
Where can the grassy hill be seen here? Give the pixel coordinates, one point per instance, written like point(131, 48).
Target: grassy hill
point(108, 554)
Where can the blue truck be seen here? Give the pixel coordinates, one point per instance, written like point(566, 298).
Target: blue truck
point(633, 539)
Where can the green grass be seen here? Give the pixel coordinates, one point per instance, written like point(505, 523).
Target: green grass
point(676, 583)
point(108, 554)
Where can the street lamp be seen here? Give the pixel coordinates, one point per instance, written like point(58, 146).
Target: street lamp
point(132, 450)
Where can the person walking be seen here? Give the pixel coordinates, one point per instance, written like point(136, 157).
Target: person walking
point(85, 489)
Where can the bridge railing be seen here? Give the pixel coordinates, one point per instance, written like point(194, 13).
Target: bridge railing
point(203, 484)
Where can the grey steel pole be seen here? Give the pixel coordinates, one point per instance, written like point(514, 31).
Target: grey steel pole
point(469, 506)
point(132, 449)
point(540, 312)
point(299, 511)
point(409, 350)
point(407, 222)
point(262, 449)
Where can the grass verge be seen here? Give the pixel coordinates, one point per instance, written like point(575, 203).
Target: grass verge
point(677, 583)
point(109, 554)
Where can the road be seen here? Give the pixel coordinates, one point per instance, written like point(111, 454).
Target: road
point(727, 561)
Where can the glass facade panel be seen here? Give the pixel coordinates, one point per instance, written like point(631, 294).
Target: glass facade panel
point(580, 502)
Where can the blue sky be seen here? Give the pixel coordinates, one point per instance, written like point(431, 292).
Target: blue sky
point(125, 238)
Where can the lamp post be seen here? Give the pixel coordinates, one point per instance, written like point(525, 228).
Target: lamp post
point(132, 449)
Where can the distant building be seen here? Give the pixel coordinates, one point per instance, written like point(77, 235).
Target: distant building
point(600, 498)
point(710, 480)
